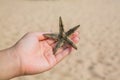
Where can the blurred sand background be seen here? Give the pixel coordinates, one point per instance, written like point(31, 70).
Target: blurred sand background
point(98, 54)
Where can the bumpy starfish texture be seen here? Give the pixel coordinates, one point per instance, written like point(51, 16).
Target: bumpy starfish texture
point(63, 37)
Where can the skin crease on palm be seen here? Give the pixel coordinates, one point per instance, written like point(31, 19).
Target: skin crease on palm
point(36, 55)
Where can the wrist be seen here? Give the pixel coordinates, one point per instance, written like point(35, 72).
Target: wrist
point(12, 52)
point(10, 63)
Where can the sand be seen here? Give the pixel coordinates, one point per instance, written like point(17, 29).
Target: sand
point(98, 54)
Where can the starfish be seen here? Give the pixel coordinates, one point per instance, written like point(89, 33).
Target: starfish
point(63, 37)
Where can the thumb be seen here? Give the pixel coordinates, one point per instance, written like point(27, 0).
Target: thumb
point(40, 36)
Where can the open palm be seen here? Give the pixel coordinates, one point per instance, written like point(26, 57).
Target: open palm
point(36, 55)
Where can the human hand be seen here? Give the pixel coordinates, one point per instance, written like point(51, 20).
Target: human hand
point(35, 53)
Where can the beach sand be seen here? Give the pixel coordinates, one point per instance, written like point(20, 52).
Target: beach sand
point(98, 54)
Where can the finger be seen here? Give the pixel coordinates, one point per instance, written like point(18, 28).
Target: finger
point(75, 37)
point(61, 55)
point(50, 57)
point(47, 49)
point(53, 44)
point(75, 40)
point(75, 34)
point(40, 35)
point(50, 41)
point(61, 48)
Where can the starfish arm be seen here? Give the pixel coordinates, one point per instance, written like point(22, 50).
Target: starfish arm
point(61, 29)
point(58, 45)
point(68, 33)
point(70, 43)
point(52, 36)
